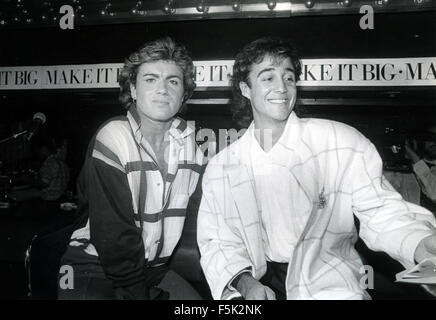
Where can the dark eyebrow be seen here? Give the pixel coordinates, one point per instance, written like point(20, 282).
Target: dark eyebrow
point(263, 71)
point(157, 76)
point(270, 69)
point(151, 75)
point(174, 76)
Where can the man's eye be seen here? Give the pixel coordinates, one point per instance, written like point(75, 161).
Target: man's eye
point(267, 79)
point(289, 77)
point(150, 80)
point(174, 82)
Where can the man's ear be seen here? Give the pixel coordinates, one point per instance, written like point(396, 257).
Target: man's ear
point(245, 89)
point(133, 91)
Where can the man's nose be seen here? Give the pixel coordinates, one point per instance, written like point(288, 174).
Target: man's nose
point(162, 86)
point(281, 85)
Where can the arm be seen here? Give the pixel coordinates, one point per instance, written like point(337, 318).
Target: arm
point(387, 222)
point(114, 234)
point(223, 253)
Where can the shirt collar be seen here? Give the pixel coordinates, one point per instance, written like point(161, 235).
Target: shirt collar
point(179, 130)
point(290, 133)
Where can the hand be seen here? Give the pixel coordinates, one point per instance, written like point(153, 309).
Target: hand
point(411, 151)
point(252, 289)
point(426, 249)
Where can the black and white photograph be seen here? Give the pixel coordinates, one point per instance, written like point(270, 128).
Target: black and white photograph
point(204, 151)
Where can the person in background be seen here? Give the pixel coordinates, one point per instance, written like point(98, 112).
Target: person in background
point(422, 154)
point(134, 188)
point(419, 184)
point(54, 174)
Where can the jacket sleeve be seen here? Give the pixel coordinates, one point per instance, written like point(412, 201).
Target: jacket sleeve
point(223, 252)
point(387, 222)
point(426, 178)
point(114, 234)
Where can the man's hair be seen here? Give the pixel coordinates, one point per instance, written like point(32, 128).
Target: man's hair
point(253, 53)
point(161, 49)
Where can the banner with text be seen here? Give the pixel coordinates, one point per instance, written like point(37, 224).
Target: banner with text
point(209, 74)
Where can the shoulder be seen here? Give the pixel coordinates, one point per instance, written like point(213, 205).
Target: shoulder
point(342, 134)
point(112, 142)
point(326, 125)
point(112, 128)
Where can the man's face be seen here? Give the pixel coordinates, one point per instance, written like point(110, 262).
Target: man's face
point(430, 144)
point(272, 91)
point(159, 90)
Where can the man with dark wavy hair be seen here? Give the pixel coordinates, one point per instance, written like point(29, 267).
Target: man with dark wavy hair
point(276, 215)
point(139, 173)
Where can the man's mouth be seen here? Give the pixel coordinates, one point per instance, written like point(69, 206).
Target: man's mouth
point(278, 101)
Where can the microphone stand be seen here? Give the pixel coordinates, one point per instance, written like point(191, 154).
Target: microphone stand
point(14, 136)
point(4, 197)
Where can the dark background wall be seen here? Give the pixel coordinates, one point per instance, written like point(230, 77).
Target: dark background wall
point(395, 35)
point(78, 113)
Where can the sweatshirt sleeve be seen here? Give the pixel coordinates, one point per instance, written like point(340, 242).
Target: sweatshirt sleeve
point(114, 234)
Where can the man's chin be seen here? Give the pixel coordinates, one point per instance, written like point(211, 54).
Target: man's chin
point(164, 116)
point(284, 115)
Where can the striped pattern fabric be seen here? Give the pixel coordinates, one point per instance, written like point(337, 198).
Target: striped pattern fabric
point(159, 203)
point(340, 174)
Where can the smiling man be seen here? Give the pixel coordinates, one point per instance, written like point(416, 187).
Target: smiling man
point(135, 185)
point(276, 216)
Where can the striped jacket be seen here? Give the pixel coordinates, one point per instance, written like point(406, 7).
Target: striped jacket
point(340, 173)
point(135, 216)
